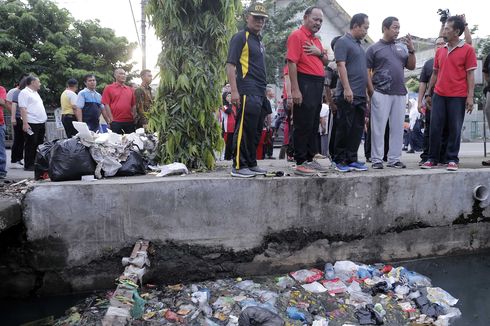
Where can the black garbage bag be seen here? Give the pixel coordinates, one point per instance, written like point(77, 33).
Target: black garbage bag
point(134, 165)
point(368, 316)
point(259, 317)
point(70, 159)
point(381, 287)
point(41, 163)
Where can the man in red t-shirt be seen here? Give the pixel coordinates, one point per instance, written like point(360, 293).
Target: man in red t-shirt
point(306, 60)
point(3, 154)
point(119, 99)
point(454, 80)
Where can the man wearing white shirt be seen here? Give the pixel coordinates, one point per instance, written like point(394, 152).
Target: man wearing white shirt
point(34, 119)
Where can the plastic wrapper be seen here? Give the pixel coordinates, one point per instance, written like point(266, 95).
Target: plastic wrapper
point(307, 275)
point(441, 297)
point(345, 269)
point(334, 286)
point(314, 287)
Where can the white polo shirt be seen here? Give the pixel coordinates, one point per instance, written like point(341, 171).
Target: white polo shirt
point(33, 103)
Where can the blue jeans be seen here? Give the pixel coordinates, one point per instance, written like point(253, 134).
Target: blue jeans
point(3, 154)
point(446, 112)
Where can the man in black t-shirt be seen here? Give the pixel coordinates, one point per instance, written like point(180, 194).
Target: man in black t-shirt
point(423, 83)
point(245, 68)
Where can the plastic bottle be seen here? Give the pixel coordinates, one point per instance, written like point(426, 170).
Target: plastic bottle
point(329, 271)
point(379, 309)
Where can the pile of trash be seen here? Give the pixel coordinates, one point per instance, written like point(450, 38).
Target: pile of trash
point(96, 154)
point(344, 293)
point(15, 190)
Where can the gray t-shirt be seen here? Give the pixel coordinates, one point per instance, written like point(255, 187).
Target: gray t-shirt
point(388, 60)
point(15, 99)
point(349, 50)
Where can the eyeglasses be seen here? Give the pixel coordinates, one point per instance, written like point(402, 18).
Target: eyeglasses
point(259, 18)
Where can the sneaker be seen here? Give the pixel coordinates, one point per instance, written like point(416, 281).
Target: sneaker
point(358, 166)
point(422, 162)
point(342, 167)
point(404, 148)
point(16, 165)
point(427, 165)
point(304, 169)
point(257, 170)
point(452, 166)
point(397, 165)
point(319, 156)
point(377, 165)
point(242, 173)
point(3, 176)
point(316, 166)
point(411, 151)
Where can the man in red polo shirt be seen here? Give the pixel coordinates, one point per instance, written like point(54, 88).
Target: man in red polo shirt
point(306, 59)
point(119, 99)
point(454, 80)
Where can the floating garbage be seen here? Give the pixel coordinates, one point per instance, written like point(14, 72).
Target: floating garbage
point(345, 294)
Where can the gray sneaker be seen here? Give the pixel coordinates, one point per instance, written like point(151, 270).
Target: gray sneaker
point(397, 165)
point(377, 166)
point(316, 166)
point(257, 170)
point(242, 173)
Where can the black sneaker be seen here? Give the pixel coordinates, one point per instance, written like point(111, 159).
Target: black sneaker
point(242, 173)
point(397, 165)
point(377, 166)
point(257, 170)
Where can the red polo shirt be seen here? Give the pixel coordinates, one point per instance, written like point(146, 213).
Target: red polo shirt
point(452, 67)
point(306, 64)
point(3, 96)
point(121, 99)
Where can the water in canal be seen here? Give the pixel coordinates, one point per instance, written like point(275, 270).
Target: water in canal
point(465, 277)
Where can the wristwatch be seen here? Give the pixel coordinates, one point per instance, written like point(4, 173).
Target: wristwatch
point(411, 51)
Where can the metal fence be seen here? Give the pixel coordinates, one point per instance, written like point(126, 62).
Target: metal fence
point(53, 130)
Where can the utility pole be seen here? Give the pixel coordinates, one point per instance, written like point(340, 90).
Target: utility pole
point(143, 34)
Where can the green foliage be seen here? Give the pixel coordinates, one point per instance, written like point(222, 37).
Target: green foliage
point(482, 50)
point(412, 85)
point(195, 36)
point(281, 22)
point(38, 37)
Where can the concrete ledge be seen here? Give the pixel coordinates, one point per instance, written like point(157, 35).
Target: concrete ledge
point(92, 219)
point(10, 213)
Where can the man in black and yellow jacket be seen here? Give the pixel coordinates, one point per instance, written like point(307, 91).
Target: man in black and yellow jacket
point(245, 68)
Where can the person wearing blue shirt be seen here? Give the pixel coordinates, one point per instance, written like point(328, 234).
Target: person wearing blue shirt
point(89, 105)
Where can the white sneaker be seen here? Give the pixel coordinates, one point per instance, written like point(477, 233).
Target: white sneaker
point(16, 165)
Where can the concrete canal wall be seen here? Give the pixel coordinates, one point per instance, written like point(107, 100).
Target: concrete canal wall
point(76, 233)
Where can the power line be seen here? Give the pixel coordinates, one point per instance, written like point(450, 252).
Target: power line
point(134, 21)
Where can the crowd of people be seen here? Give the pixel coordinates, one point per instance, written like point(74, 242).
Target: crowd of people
point(326, 107)
point(329, 107)
point(122, 108)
